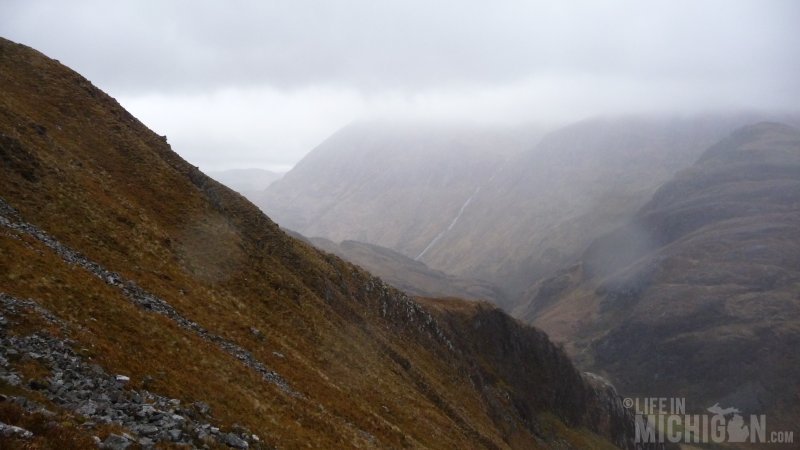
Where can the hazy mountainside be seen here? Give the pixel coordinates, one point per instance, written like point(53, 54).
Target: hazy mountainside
point(393, 185)
point(510, 223)
point(412, 277)
point(140, 296)
point(699, 294)
point(579, 182)
point(246, 181)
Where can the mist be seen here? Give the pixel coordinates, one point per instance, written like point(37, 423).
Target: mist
point(259, 84)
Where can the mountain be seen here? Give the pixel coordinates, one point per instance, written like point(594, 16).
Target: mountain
point(140, 300)
point(408, 275)
point(396, 185)
point(455, 204)
point(699, 294)
point(246, 181)
point(548, 203)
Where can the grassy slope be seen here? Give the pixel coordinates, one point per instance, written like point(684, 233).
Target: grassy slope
point(77, 165)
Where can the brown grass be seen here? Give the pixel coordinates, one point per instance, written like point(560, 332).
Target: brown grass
point(56, 433)
point(77, 165)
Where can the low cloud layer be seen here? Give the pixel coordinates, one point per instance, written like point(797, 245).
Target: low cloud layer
point(258, 84)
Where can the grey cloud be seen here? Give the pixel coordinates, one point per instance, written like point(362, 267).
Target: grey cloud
point(331, 62)
point(141, 46)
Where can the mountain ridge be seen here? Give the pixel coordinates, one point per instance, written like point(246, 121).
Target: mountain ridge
point(705, 277)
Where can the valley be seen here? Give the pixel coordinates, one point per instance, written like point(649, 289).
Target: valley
point(399, 225)
point(658, 251)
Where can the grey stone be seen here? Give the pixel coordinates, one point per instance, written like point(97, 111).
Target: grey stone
point(14, 431)
point(202, 408)
point(116, 442)
point(87, 409)
point(145, 411)
point(83, 394)
point(234, 441)
point(11, 379)
point(146, 430)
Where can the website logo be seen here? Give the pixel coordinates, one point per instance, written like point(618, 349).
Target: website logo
point(662, 420)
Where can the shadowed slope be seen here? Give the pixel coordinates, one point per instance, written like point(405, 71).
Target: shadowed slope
point(699, 295)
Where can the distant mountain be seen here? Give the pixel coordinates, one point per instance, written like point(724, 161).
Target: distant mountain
point(142, 303)
point(548, 203)
point(406, 274)
point(246, 181)
point(698, 295)
point(393, 185)
point(507, 207)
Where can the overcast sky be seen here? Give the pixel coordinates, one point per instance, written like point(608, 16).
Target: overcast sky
point(238, 84)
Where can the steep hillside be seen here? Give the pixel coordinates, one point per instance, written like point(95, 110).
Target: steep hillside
point(141, 300)
point(698, 295)
point(410, 276)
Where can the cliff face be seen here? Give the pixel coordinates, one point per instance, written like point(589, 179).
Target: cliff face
point(502, 350)
point(149, 303)
point(697, 296)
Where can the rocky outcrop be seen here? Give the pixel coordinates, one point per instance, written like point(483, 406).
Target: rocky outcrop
point(543, 378)
point(101, 398)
